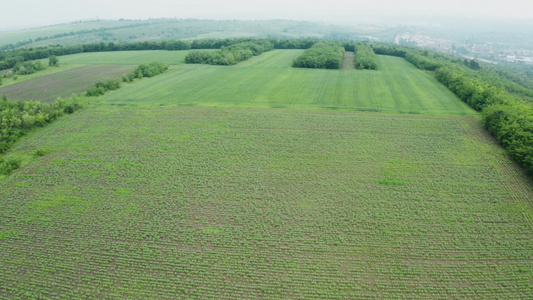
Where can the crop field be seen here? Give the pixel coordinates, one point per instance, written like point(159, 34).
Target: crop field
point(206, 202)
point(269, 81)
point(62, 84)
point(261, 180)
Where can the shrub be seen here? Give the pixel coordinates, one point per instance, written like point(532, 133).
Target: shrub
point(8, 165)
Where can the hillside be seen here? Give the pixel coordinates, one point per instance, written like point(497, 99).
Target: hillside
point(167, 29)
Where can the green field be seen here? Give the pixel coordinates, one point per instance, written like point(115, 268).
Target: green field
point(64, 84)
point(249, 203)
point(269, 81)
point(265, 181)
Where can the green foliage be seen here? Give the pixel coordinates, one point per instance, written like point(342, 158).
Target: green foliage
point(25, 68)
point(511, 124)
point(231, 203)
point(9, 59)
point(17, 118)
point(109, 85)
point(53, 60)
point(144, 70)
point(269, 80)
point(95, 91)
point(229, 55)
point(323, 55)
point(150, 70)
point(472, 64)
point(507, 117)
point(8, 165)
point(365, 58)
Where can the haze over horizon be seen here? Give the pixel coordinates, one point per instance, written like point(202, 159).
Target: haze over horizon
point(33, 13)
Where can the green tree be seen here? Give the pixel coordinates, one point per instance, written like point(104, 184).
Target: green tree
point(53, 60)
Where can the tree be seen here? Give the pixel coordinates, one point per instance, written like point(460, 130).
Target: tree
point(474, 65)
point(53, 61)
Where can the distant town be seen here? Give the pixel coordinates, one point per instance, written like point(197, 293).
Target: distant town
point(486, 52)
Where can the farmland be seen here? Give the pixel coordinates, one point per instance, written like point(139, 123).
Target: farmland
point(270, 81)
point(62, 84)
point(261, 180)
point(247, 203)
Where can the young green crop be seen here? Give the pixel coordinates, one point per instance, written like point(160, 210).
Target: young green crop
point(269, 81)
point(206, 202)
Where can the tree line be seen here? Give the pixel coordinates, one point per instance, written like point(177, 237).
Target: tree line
point(60, 35)
point(144, 70)
point(8, 59)
point(365, 58)
point(506, 107)
point(229, 55)
point(322, 55)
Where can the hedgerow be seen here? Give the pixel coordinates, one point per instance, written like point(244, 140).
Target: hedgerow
point(365, 58)
point(144, 70)
point(229, 55)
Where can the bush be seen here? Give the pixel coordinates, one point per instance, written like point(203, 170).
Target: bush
point(8, 165)
point(151, 69)
point(512, 125)
point(95, 91)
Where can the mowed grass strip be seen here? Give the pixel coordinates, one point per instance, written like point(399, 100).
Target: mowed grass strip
point(233, 203)
point(63, 84)
point(270, 81)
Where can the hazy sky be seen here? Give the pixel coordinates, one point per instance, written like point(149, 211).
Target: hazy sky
point(31, 13)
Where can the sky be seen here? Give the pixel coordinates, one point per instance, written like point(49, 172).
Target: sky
point(35, 13)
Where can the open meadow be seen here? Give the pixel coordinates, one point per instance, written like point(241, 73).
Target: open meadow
point(265, 181)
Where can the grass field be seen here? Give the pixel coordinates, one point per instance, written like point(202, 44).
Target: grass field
point(270, 81)
point(62, 84)
point(203, 202)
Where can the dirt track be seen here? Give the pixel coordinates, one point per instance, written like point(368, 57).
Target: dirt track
point(348, 62)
